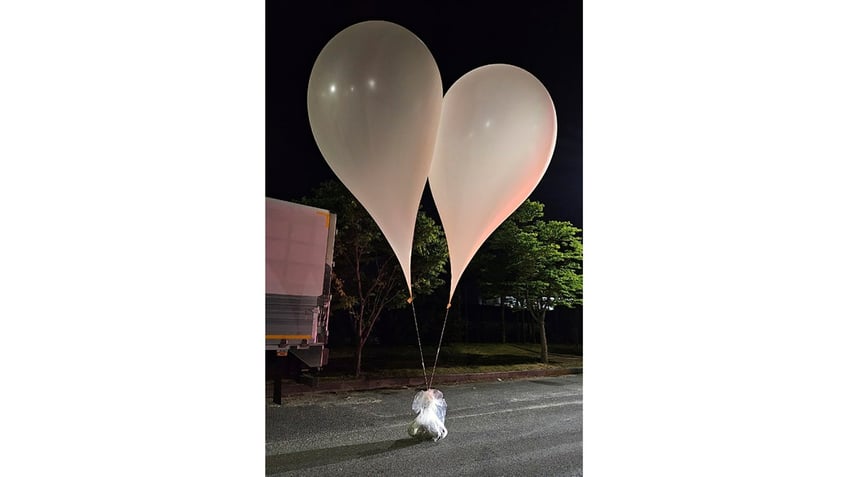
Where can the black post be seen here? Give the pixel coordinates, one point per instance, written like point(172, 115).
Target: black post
point(278, 390)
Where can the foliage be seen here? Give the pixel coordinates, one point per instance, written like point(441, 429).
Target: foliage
point(533, 264)
point(367, 277)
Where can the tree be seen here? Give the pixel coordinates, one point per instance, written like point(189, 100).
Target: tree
point(497, 259)
point(535, 262)
point(367, 278)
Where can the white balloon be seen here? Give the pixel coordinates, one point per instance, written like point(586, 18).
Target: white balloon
point(374, 100)
point(496, 137)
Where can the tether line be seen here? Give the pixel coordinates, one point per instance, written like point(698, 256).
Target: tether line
point(438, 349)
point(417, 335)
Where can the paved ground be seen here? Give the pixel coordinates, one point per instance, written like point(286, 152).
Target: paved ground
point(530, 426)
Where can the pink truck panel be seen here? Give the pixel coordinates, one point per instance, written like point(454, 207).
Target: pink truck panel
point(295, 248)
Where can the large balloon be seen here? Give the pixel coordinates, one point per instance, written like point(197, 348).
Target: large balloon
point(496, 137)
point(374, 100)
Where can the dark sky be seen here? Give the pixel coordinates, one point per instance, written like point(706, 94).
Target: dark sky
point(543, 37)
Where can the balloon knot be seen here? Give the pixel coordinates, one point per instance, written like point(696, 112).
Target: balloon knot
point(448, 308)
point(409, 300)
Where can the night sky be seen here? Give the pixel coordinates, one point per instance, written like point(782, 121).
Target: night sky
point(544, 38)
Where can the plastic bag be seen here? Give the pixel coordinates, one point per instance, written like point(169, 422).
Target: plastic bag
point(430, 408)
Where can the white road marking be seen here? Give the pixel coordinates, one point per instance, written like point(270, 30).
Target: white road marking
point(525, 408)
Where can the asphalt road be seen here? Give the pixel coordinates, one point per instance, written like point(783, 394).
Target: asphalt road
point(523, 427)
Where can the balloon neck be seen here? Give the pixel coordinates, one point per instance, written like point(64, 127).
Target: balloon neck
point(448, 307)
point(409, 300)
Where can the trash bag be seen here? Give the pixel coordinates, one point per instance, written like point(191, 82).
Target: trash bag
point(430, 408)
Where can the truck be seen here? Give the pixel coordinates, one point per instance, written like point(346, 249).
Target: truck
point(299, 242)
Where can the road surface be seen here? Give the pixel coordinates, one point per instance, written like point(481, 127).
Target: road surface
point(522, 427)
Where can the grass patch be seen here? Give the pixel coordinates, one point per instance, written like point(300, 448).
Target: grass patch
point(380, 361)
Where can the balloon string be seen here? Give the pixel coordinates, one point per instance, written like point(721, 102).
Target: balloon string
point(439, 348)
point(417, 335)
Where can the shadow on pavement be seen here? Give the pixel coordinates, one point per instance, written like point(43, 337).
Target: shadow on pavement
point(333, 455)
point(548, 383)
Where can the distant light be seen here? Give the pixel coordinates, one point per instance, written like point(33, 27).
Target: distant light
point(488, 122)
point(332, 88)
point(372, 83)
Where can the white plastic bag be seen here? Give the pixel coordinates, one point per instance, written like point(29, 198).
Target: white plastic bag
point(430, 408)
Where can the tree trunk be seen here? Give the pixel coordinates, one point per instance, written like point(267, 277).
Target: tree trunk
point(360, 343)
point(503, 323)
point(359, 347)
point(580, 335)
point(543, 339)
point(523, 331)
point(531, 329)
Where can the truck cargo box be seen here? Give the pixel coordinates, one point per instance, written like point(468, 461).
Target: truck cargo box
point(299, 242)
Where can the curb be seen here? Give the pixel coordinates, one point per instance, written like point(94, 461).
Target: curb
point(295, 389)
